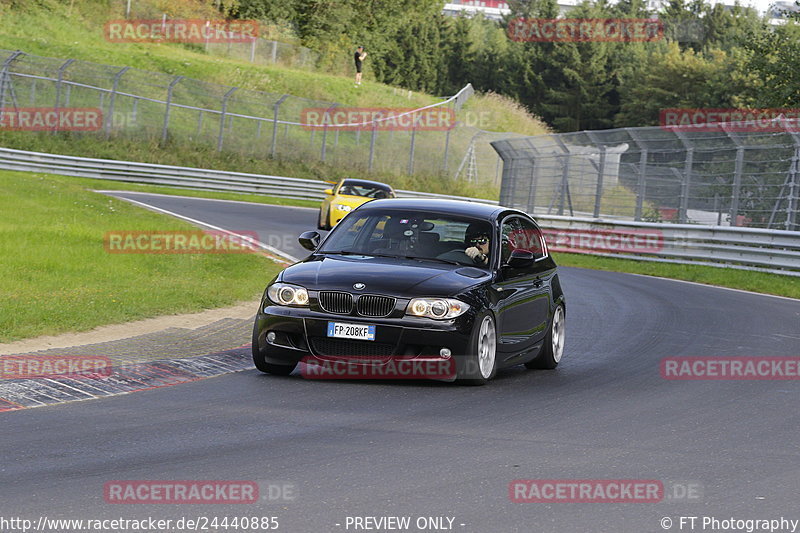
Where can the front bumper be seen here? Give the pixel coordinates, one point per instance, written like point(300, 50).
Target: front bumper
point(302, 333)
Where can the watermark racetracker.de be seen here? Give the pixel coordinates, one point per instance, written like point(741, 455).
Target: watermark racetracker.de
point(370, 367)
point(768, 120)
point(180, 31)
point(736, 368)
point(181, 492)
point(603, 491)
point(51, 119)
point(378, 118)
point(54, 367)
point(585, 30)
point(181, 242)
point(604, 241)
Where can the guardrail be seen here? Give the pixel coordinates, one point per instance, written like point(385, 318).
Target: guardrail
point(755, 249)
point(182, 177)
point(734, 247)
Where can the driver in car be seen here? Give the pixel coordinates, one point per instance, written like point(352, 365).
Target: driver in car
point(478, 246)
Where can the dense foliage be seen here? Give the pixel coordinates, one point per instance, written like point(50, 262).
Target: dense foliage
point(710, 56)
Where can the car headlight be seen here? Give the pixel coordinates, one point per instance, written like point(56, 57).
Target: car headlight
point(345, 208)
point(437, 308)
point(286, 294)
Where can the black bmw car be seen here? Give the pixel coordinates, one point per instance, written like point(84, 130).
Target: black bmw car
point(419, 280)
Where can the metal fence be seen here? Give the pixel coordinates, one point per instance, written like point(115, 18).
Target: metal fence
point(182, 177)
point(152, 106)
point(711, 176)
point(265, 52)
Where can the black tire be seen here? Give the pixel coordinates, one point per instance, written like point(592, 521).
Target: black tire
point(260, 360)
point(472, 372)
point(553, 347)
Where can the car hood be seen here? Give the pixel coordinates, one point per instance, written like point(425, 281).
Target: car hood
point(382, 275)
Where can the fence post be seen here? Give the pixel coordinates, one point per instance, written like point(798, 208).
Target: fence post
point(642, 188)
point(169, 103)
point(253, 49)
point(532, 188)
point(737, 185)
point(686, 177)
point(564, 183)
point(222, 117)
point(506, 187)
point(685, 184)
point(110, 117)
point(59, 81)
point(372, 141)
point(5, 77)
point(274, 51)
point(276, 107)
point(325, 120)
point(598, 195)
point(413, 144)
point(199, 122)
point(447, 146)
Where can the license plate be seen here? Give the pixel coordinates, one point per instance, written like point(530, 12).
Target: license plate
point(351, 331)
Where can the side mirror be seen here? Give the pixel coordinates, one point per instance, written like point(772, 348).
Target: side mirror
point(309, 240)
point(521, 259)
point(329, 192)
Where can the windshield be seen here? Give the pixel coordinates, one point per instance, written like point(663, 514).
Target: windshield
point(413, 234)
point(363, 189)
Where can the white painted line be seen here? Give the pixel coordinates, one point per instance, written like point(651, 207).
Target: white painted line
point(73, 388)
point(247, 238)
point(206, 199)
point(715, 286)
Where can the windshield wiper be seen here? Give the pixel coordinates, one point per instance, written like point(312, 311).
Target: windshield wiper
point(447, 261)
point(339, 252)
point(347, 252)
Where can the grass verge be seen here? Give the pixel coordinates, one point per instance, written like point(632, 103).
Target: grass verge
point(58, 277)
point(723, 277)
point(193, 193)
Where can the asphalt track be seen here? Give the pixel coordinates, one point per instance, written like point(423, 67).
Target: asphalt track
point(431, 449)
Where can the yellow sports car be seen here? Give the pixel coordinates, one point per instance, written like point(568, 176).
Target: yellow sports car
point(346, 196)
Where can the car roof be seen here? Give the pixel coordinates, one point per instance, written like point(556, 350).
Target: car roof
point(367, 183)
point(436, 205)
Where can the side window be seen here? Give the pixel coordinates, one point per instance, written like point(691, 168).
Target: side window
point(529, 237)
point(520, 234)
point(507, 245)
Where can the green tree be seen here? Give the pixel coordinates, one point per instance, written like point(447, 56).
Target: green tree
point(774, 61)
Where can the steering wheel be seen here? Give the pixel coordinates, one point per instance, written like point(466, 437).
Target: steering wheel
point(459, 256)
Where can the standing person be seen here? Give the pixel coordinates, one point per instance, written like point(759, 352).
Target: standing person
point(359, 57)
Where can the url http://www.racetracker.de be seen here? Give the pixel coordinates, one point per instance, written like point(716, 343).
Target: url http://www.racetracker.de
point(198, 523)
